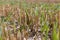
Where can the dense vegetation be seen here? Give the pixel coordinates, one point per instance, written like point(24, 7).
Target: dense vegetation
point(24, 20)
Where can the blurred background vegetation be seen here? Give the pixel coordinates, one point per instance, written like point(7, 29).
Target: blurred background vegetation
point(28, 20)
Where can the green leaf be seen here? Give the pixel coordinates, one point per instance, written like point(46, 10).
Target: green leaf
point(54, 33)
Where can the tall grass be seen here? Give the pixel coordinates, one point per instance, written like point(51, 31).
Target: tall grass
point(24, 19)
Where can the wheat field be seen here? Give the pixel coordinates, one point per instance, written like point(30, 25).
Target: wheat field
point(21, 20)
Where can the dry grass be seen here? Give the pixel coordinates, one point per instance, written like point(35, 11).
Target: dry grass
point(29, 20)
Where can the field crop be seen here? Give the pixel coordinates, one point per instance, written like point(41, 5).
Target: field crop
point(20, 20)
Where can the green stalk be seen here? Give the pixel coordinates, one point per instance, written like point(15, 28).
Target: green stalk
point(54, 32)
